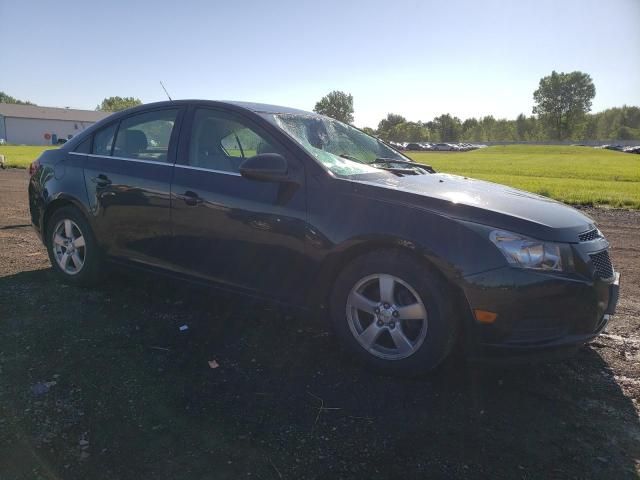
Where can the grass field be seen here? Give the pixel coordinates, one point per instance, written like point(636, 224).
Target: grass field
point(21, 156)
point(575, 175)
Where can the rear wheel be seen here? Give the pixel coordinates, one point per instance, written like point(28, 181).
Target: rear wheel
point(73, 251)
point(393, 313)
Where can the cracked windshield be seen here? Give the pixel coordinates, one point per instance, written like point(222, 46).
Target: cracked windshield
point(342, 149)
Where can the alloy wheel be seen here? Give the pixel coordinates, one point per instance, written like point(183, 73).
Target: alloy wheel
point(69, 248)
point(386, 316)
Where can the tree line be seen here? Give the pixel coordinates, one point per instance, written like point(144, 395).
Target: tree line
point(6, 98)
point(619, 123)
point(109, 104)
point(561, 111)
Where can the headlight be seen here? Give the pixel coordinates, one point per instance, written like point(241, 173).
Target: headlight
point(525, 252)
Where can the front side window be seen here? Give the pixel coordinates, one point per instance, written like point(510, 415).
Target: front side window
point(221, 141)
point(342, 149)
point(103, 140)
point(145, 136)
point(83, 147)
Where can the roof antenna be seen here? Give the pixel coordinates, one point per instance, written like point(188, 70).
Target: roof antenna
point(165, 91)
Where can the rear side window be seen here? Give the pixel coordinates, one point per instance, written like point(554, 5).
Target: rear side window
point(146, 136)
point(103, 140)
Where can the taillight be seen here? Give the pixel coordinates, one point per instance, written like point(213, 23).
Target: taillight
point(33, 168)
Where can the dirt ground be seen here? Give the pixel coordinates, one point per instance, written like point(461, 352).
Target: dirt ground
point(102, 384)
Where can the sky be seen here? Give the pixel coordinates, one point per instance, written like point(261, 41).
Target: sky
point(416, 58)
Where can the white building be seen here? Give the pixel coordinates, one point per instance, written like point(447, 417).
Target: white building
point(32, 125)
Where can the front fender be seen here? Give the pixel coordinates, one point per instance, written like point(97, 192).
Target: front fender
point(351, 222)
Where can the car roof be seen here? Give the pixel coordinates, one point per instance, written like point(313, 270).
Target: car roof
point(252, 106)
point(266, 108)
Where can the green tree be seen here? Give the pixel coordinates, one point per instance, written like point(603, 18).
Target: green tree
point(471, 131)
point(613, 124)
point(408, 132)
point(417, 132)
point(589, 129)
point(386, 126)
point(448, 128)
point(562, 100)
point(627, 133)
point(521, 126)
point(505, 131)
point(4, 98)
point(115, 104)
point(338, 105)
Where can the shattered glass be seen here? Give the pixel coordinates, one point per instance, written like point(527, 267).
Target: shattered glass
point(342, 149)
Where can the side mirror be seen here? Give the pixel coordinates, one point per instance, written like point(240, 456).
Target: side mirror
point(266, 167)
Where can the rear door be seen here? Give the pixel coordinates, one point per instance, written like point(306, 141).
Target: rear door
point(128, 178)
point(245, 233)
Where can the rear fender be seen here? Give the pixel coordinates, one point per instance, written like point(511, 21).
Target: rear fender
point(58, 201)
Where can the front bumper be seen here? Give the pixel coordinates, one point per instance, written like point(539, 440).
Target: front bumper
point(537, 312)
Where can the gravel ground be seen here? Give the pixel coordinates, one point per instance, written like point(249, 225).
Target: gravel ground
point(102, 384)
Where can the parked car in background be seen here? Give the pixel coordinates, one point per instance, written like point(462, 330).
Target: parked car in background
point(467, 146)
point(296, 207)
point(414, 147)
point(446, 147)
point(427, 146)
point(617, 148)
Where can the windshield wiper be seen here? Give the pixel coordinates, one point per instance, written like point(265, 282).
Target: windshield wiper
point(391, 161)
point(388, 164)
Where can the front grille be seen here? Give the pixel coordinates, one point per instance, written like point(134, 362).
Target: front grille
point(602, 264)
point(590, 235)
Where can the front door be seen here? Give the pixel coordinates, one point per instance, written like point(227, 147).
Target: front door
point(244, 233)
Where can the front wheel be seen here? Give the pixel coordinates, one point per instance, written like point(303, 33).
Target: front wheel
point(73, 250)
point(393, 313)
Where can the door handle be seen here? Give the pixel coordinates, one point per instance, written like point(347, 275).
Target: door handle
point(191, 198)
point(101, 180)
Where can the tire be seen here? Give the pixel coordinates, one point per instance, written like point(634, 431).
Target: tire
point(84, 260)
point(373, 333)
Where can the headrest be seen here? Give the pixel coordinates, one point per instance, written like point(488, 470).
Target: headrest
point(210, 133)
point(135, 141)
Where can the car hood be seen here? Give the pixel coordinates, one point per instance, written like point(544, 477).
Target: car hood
point(486, 203)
